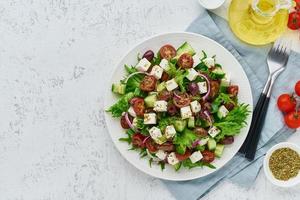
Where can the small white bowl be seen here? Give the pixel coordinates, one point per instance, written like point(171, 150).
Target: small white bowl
point(211, 4)
point(289, 183)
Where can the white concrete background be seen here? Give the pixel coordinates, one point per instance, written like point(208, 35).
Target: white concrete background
point(55, 59)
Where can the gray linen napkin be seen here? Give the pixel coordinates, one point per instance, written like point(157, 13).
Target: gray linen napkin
point(253, 60)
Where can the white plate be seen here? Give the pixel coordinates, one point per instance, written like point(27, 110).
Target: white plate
point(198, 42)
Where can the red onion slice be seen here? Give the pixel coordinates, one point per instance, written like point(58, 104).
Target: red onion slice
point(129, 122)
point(176, 95)
point(195, 143)
point(135, 73)
point(209, 118)
point(208, 85)
point(146, 138)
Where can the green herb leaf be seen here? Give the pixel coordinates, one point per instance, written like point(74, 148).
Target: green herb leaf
point(184, 140)
point(121, 105)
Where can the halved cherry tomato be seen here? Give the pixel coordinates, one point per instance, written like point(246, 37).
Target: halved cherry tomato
point(124, 123)
point(165, 76)
point(172, 109)
point(150, 145)
point(286, 103)
point(167, 52)
point(181, 100)
point(167, 146)
point(139, 107)
point(294, 20)
point(137, 140)
point(132, 101)
point(214, 89)
point(297, 7)
point(165, 95)
point(184, 156)
point(292, 119)
point(233, 90)
point(148, 84)
point(185, 61)
point(297, 87)
point(208, 156)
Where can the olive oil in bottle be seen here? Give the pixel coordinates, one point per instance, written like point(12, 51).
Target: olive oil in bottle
point(258, 22)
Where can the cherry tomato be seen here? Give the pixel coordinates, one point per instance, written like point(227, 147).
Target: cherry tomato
point(297, 87)
point(139, 107)
point(172, 109)
point(165, 95)
point(184, 156)
point(124, 123)
point(134, 99)
point(286, 103)
point(214, 89)
point(228, 140)
point(167, 52)
point(297, 7)
point(150, 145)
point(185, 61)
point(167, 146)
point(137, 140)
point(208, 156)
point(181, 100)
point(165, 76)
point(201, 132)
point(292, 119)
point(294, 20)
point(233, 90)
point(148, 84)
point(149, 55)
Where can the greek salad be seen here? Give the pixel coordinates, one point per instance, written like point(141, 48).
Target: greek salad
point(178, 107)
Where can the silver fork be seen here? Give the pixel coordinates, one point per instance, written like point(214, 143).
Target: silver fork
point(277, 59)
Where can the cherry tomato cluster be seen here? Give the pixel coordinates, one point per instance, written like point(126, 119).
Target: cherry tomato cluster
point(294, 17)
point(289, 104)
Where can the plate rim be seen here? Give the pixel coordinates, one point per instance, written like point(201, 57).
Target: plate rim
point(108, 92)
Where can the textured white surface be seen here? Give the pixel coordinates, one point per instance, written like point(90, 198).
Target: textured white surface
point(55, 58)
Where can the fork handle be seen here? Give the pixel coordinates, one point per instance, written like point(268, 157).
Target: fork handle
point(257, 128)
point(255, 117)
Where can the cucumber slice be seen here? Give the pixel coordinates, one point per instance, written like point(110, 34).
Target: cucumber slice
point(180, 125)
point(150, 100)
point(185, 48)
point(211, 144)
point(218, 73)
point(191, 122)
point(118, 88)
point(219, 150)
point(160, 87)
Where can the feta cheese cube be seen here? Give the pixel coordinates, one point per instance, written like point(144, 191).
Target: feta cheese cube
point(226, 80)
point(143, 65)
point(196, 59)
point(196, 156)
point(209, 62)
point(172, 159)
point(222, 111)
point(203, 141)
point(149, 118)
point(192, 74)
point(214, 131)
point(170, 131)
point(171, 85)
point(186, 112)
point(195, 106)
point(164, 63)
point(157, 71)
point(160, 106)
point(202, 87)
point(161, 154)
point(155, 133)
point(131, 111)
